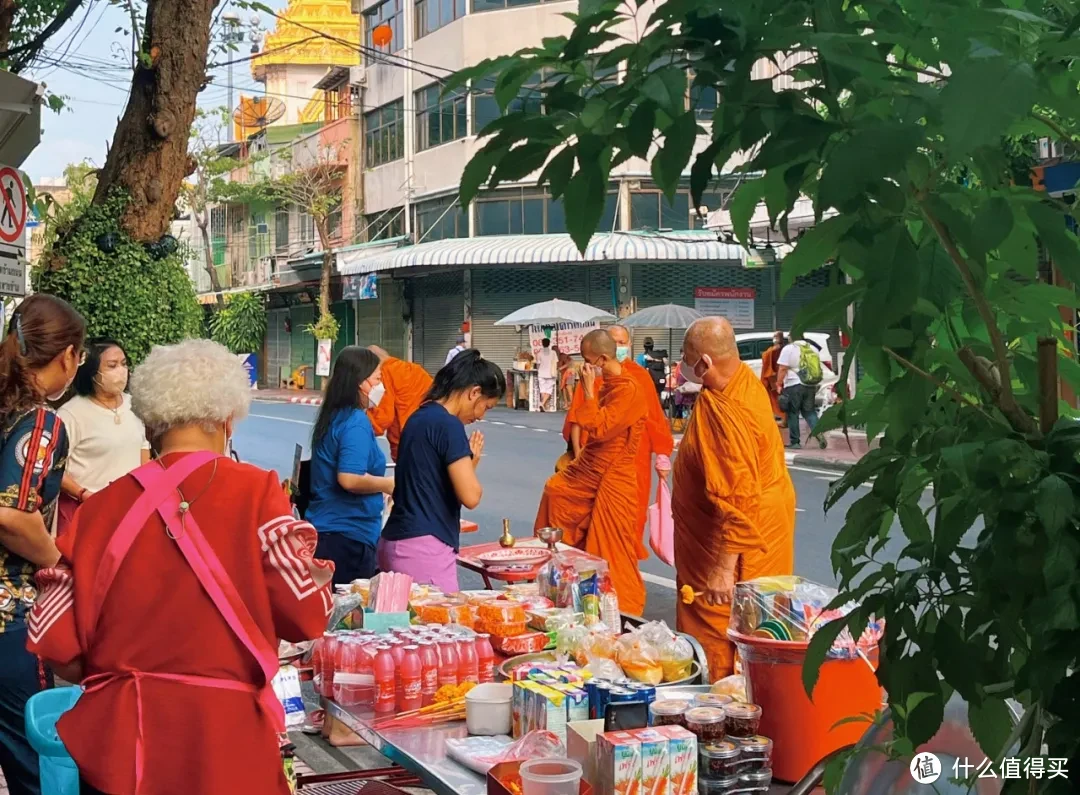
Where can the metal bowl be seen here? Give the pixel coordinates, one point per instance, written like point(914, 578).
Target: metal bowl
point(549, 657)
point(549, 535)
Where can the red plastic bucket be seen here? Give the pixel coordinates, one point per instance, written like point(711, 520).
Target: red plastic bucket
point(804, 731)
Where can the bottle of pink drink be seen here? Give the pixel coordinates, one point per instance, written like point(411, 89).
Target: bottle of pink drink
point(366, 651)
point(485, 658)
point(344, 667)
point(397, 651)
point(385, 676)
point(448, 663)
point(410, 674)
point(329, 654)
point(429, 671)
point(468, 666)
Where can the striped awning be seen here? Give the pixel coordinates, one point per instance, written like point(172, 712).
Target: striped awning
point(546, 249)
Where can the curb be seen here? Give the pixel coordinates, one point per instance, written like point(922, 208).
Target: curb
point(297, 401)
point(833, 464)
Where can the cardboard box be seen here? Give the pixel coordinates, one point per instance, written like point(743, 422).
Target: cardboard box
point(581, 745)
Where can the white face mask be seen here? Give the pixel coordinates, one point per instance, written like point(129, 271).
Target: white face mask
point(375, 396)
point(113, 382)
point(688, 372)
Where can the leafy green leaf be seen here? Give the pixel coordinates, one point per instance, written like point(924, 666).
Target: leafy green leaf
point(864, 158)
point(667, 88)
point(743, 204)
point(669, 162)
point(827, 307)
point(991, 722)
point(1054, 503)
point(639, 130)
point(814, 249)
point(982, 97)
point(584, 200)
point(820, 644)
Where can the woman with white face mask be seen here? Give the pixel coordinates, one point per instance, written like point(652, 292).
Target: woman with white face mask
point(348, 468)
point(106, 439)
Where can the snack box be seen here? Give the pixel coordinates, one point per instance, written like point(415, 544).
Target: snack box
point(529, 643)
point(683, 756)
point(655, 762)
point(618, 764)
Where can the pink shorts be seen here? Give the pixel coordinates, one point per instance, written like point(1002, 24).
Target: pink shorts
point(426, 559)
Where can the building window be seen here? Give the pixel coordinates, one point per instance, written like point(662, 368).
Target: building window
point(712, 202)
point(495, 5)
point(281, 229)
point(388, 13)
point(385, 225)
point(515, 215)
point(305, 226)
point(530, 99)
point(439, 119)
point(434, 14)
point(440, 219)
point(384, 137)
point(652, 211)
point(703, 101)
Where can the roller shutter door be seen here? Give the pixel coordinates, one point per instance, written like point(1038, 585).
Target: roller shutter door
point(438, 311)
point(379, 320)
point(805, 290)
point(674, 283)
point(302, 344)
point(278, 349)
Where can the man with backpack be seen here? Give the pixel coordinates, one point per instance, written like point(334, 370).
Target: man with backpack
point(797, 379)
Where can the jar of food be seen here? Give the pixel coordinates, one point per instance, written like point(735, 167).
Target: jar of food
point(707, 723)
point(755, 781)
point(718, 786)
point(742, 719)
point(668, 713)
point(755, 753)
point(712, 700)
point(718, 760)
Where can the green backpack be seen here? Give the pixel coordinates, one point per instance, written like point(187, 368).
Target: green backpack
point(809, 364)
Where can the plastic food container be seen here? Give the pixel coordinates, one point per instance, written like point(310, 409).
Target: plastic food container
point(720, 760)
point(743, 720)
point(550, 777)
point(755, 781)
point(718, 786)
point(487, 709)
point(668, 712)
point(504, 629)
point(707, 723)
point(712, 700)
point(755, 753)
point(529, 643)
point(501, 611)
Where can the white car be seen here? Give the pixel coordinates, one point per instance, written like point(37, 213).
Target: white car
point(753, 344)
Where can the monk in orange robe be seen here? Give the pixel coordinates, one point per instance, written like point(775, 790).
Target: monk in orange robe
point(407, 385)
point(573, 434)
point(592, 498)
point(658, 440)
point(733, 501)
point(770, 369)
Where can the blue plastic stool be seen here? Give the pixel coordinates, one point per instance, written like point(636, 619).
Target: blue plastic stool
point(59, 775)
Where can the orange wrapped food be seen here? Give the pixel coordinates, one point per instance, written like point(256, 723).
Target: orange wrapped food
point(529, 643)
point(502, 611)
point(504, 629)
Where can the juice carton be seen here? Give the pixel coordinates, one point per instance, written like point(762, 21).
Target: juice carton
point(577, 702)
point(618, 763)
point(683, 756)
point(655, 764)
point(550, 705)
point(519, 705)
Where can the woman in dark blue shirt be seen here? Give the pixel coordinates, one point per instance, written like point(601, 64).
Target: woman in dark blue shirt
point(348, 470)
point(436, 472)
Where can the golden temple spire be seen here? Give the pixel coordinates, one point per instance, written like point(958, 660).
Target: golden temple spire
point(328, 34)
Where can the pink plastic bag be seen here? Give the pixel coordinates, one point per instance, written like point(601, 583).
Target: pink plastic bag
point(662, 526)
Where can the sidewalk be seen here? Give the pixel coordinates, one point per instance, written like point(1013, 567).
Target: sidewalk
point(303, 397)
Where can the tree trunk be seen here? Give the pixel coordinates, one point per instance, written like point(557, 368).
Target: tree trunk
point(7, 19)
point(208, 257)
point(327, 266)
point(149, 153)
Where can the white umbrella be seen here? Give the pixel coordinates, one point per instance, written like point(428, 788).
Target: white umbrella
point(553, 312)
point(669, 316)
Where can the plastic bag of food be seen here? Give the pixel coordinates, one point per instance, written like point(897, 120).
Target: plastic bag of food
point(676, 658)
point(734, 686)
point(601, 668)
point(639, 659)
point(344, 605)
point(599, 644)
point(570, 641)
point(483, 753)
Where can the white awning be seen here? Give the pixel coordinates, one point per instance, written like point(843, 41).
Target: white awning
point(546, 249)
point(20, 118)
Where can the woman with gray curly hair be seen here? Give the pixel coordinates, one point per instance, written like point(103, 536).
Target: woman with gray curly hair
point(174, 586)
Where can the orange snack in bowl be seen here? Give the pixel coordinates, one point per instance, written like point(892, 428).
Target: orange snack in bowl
point(502, 611)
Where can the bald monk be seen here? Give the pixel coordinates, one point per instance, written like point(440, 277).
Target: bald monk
point(592, 498)
point(658, 440)
point(574, 435)
point(733, 502)
point(407, 384)
point(770, 368)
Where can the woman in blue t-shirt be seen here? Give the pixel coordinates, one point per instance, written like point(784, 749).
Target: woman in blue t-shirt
point(436, 472)
point(348, 470)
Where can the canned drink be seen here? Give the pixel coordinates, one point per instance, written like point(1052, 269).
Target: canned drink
point(624, 682)
point(598, 699)
point(622, 695)
point(647, 691)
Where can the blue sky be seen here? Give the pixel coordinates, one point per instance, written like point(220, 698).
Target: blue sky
point(93, 77)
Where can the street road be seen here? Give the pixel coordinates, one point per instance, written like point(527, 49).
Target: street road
point(519, 453)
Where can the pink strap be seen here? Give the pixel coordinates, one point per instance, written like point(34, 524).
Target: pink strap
point(158, 483)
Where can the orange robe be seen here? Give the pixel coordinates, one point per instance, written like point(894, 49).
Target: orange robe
point(407, 384)
point(573, 413)
point(770, 369)
point(657, 441)
point(732, 494)
point(589, 499)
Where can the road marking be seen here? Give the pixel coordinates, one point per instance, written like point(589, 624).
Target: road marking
point(494, 422)
point(539, 430)
point(656, 579)
point(280, 419)
point(520, 427)
point(800, 510)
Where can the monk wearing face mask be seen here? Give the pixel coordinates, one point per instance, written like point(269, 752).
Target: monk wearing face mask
point(658, 440)
point(593, 499)
point(733, 502)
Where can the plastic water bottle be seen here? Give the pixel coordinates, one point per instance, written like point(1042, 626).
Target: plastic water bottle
point(468, 666)
point(485, 658)
point(448, 663)
point(411, 675)
point(385, 678)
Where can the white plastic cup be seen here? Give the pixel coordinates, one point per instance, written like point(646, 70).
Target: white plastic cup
point(550, 777)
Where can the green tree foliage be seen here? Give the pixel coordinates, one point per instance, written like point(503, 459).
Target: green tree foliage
point(124, 293)
point(241, 325)
point(892, 124)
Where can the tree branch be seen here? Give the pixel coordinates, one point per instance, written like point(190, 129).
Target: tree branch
point(1003, 392)
point(956, 394)
point(1056, 128)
